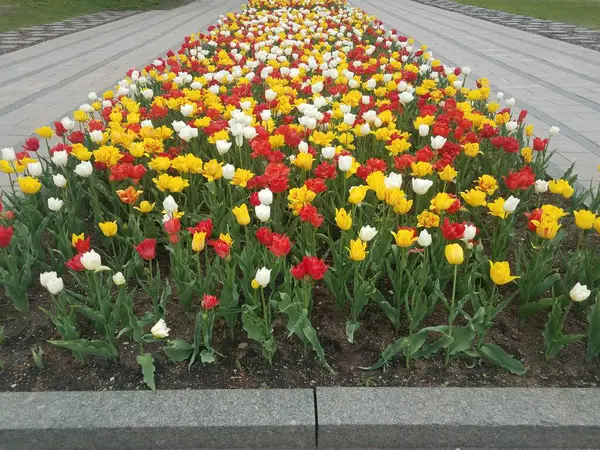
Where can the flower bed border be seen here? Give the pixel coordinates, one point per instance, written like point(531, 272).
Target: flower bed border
point(280, 418)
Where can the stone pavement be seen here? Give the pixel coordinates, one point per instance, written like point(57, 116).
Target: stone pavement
point(556, 82)
point(26, 37)
point(555, 30)
point(48, 81)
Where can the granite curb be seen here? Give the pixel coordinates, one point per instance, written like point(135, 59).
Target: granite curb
point(287, 418)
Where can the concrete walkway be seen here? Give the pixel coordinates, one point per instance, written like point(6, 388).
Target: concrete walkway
point(45, 82)
point(556, 82)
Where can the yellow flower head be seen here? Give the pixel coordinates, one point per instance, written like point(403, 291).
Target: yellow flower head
point(405, 237)
point(343, 219)
point(546, 228)
point(441, 202)
point(75, 238)
point(241, 177)
point(80, 152)
point(497, 208)
point(357, 194)
point(376, 181)
point(597, 225)
point(561, 187)
point(529, 130)
point(145, 207)
point(226, 238)
point(471, 149)
point(448, 173)
point(107, 155)
point(584, 219)
point(241, 214)
point(428, 220)
point(44, 132)
point(421, 169)
point(487, 184)
point(474, 197)
point(137, 149)
point(109, 229)
point(198, 241)
point(527, 154)
point(304, 160)
point(402, 206)
point(160, 164)
point(357, 250)
point(213, 170)
point(298, 197)
point(553, 212)
point(500, 273)
point(29, 185)
point(454, 254)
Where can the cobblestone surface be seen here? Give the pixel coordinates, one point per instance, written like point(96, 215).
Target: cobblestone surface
point(25, 37)
point(565, 32)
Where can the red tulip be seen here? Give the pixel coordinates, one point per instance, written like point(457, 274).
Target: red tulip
point(452, 231)
point(6, 234)
point(83, 245)
point(172, 226)
point(311, 266)
point(209, 301)
point(32, 144)
point(221, 247)
point(265, 236)
point(280, 245)
point(75, 263)
point(147, 249)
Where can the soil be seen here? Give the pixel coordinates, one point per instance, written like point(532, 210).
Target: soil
point(242, 364)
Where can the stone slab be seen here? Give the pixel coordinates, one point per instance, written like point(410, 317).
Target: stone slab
point(249, 418)
point(458, 418)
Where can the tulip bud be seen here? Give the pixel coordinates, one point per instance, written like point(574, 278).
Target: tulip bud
point(83, 169)
point(579, 292)
point(510, 102)
point(96, 136)
point(553, 131)
point(92, 261)
point(420, 186)
point(270, 95)
point(438, 142)
point(303, 147)
point(367, 233)
point(118, 279)
point(406, 97)
point(424, 239)
point(223, 146)
point(8, 154)
point(55, 285)
point(228, 171)
point(160, 330)
point(541, 186)
point(466, 70)
point(263, 276)
point(423, 130)
point(60, 158)
point(511, 204)
point(511, 126)
point(263, 212)
point(46, 277)
point(34, 169)
point(469, 233)
point(54, 204)
point(170, 205)
point(328, 152)
point(265, 196)
point(454, 254)
point(345, 163)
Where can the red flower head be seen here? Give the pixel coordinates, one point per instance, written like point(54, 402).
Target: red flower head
point(173, 225)
point(265, 236)
point(254, 200)
point(539, 144)
point(59, 129)
point(452, 231)
point(83, 245)
point(455, 206)
point(326, 170)
point(316, 185)
point(425, 154)
point(280, 245)
point(76, 137)
point(32, 144)
point(75, 263)
point(522, 116)
point(6, 234)
point(221, 247)
point(536, 214)
point(209, 301)
point(311, 266)
point(298, 271)
point(147, 249)
point(308, 213)
point(204, 225)
point(404, 162)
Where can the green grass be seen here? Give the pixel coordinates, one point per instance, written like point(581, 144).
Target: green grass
point(584, 13)
point(22, 13)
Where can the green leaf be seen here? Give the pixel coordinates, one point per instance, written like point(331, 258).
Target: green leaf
point(351, 327)
point(462, 339)
point(207, 356)
point(86, 347)
point(2, 336)
point(498, 356)
point(37, 357)
point(545, 285)
point(147, 362)
point(390, 352)
point(311, 335)
point(197, 337)
point(593, 331)
point(252, 327)
point(429, 349)
point(178, 350)
point(529, 309)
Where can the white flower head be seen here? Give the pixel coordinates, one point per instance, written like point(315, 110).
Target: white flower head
point(92, 261)
point(263, 276)
point(579, 292)
point(367, 233)
point(160, 330)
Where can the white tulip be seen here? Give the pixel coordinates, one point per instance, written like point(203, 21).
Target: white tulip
point(328, 152)
point(345, 163)
point(59, 180)
point(8, 154)
point(303, 147)
point(96, 136)
point(553, 131)
point(420, 186)
point(469, 233)
point(60, 158)
point(265, 196)
point(147, 93)
point(423, 130)
point(92, 96)
point(35, 169)
point(365, 129)
point(263, 212)
point(160, 330)
point(170, 205)
point(223, 146)
point(500, 96)
point(541, 186)
point(393, 180)
point(92, 261)
point(437, 142)
point(466, 70)
point(84, 169)
point(228, 171)
point(367, 233)
point(187, 133)
point(265, 115)
point(55, 285)
point(406, 97)
point(118, 279)
point(178, 125)
point(511, 126)
point(424, 239)
point(47, 276)
point(579, 292)
point(270, 95)
point(349, 119)
point(187, 110)
point(55, 204)
point(263, 276)
point(511, 204)
point(67, 123)
point(510, 102)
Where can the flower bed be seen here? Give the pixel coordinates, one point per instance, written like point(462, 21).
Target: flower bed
point(288, 151)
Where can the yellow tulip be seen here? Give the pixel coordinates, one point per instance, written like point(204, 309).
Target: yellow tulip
point(357, 194)
point(29, 185)
point(584, 219)
point(561, 187)
point(448, 173)
point(44, 132)
point(109, 229)
point(553, 212)
point(376, 181)
point(546, 228)
point(500, 273)
point(428, 220)
point(145, 207)
point(441, 202)
point(357, 250)
point(454, 254)
point(497, 208)
point(75, 238)
point(304, 160)
point(405, 237)
point(402, 206)
point(597, 225)
point(241, 214)
point(212, 170)
point(474, 197)
point(487, 184)
point(198, 241)
point(471, 149)
point(241, 177)
point(421, 169)
point(343, 219)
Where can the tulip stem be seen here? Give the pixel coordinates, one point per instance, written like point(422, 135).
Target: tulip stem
point(264, 306)
point(451, 316)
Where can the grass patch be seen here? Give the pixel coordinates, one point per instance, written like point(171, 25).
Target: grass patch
point(22, 13)
point(584, 13)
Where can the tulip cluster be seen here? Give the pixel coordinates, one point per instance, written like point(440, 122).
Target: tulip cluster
point(297, 143)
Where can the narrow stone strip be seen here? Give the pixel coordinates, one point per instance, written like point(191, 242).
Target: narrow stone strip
point(571, 34)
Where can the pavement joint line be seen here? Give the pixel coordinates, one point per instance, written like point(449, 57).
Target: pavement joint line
point(566, 130)
point(25, 100)
point(589, 103)
point(514, 50)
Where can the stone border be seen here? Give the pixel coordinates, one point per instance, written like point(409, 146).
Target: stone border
point(572, 34)
point(287, 418)
point(459, 417)
point(165, 419)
